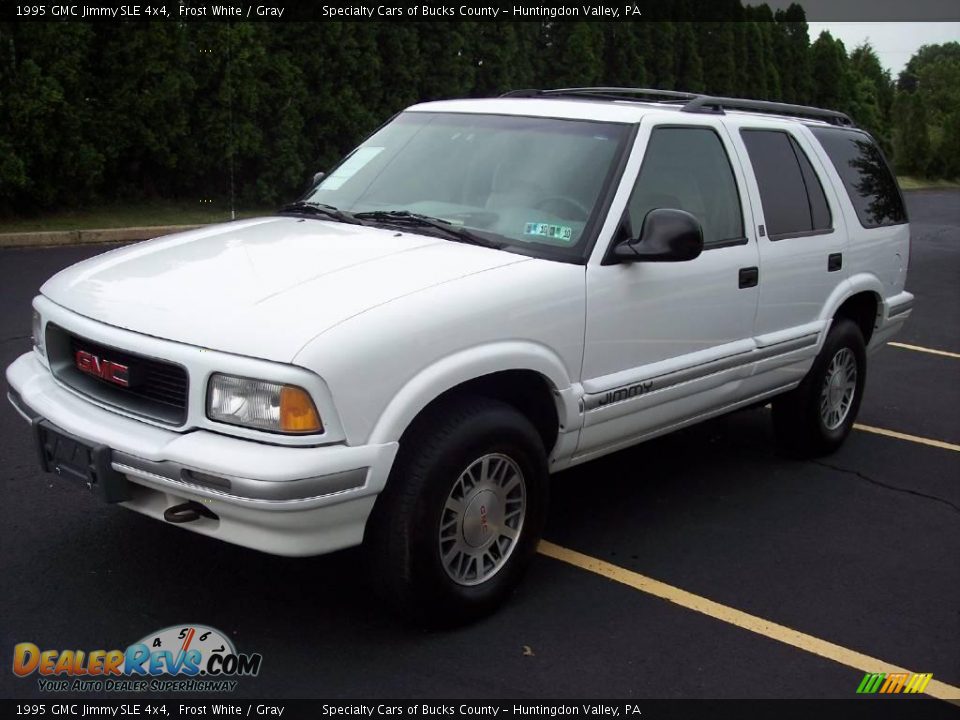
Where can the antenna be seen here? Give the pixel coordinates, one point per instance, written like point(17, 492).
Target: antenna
point(230, 144)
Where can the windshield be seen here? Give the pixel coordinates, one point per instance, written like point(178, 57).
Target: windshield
point(525, 181)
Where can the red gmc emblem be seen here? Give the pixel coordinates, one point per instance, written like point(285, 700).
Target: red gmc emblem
point(104, 369)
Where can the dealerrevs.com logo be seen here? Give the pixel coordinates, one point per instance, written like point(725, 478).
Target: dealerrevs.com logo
point(185, 658)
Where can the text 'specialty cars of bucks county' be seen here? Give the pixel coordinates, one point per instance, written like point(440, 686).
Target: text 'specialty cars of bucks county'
point(482, 293)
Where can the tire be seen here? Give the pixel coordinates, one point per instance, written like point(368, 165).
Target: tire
point(438, 503)
point(815, 418)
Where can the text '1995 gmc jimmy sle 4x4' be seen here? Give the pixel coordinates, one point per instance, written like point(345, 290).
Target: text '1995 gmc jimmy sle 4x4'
point(482, 293)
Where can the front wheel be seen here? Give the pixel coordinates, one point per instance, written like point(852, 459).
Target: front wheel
point(462, 512)
point(816, 417)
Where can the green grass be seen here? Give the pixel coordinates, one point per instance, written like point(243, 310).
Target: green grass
point(133, 215)
point(914, 183)
point(195, 213)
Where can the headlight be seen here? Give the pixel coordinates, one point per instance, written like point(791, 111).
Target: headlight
point(38, 333)
point(261, 405)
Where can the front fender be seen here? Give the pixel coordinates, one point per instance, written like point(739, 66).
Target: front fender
point(466, 365)
point(386, 364)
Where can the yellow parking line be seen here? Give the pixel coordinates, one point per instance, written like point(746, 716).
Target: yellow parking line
point(919, 348)
point(910, 438)
point(724, 613)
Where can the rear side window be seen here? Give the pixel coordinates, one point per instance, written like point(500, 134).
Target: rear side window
point(819, 210)
point(793, 201)
point(687, 168)
point(865, 174)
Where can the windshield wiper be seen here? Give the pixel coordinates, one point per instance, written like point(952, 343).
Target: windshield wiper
point(315, 208)
point(410, 219)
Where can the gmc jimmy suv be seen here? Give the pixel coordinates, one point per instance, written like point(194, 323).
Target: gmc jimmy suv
point(482, 293)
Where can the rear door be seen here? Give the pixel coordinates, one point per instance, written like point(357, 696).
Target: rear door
point(802, 237)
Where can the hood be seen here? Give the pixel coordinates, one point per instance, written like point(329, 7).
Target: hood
point(261, 288)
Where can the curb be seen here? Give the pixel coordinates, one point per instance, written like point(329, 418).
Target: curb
point(83, 237)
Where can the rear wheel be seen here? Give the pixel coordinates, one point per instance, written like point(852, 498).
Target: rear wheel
point(816, 417)
point(455, 528)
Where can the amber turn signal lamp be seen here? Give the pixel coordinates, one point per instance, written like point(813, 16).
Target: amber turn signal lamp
point(297, 411)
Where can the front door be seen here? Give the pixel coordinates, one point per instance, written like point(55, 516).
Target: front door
point(666, 342)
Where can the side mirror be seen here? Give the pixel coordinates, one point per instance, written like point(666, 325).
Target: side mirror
point(666, 236)
point(317, 177)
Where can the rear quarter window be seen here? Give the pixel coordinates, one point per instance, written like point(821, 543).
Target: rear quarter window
point(865, 174)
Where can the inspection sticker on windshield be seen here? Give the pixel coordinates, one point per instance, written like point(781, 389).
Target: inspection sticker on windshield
point(556, 232)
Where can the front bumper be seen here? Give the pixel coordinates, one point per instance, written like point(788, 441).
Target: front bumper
point(278, 499)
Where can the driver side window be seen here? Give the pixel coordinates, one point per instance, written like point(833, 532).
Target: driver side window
point(687, 168)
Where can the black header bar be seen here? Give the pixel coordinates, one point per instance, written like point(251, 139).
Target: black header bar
point(453, 10)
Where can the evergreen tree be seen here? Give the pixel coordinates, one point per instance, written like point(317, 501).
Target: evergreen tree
point(865, 62)
point(949, 148)
point(532, 41)
point(14, 159)
point(795, 71)
point(716, 41)
point(688, 67)
point(240, 111)
point(495, 54)
point(195, 110)
point(872, 99)
point(49, 124)
point(400, 76)
point(865, 107)
point(777, 61)
point(660, 58)
point(828, 63)
point(143, 98)
point(623, 55)
point(575, 54)
point(755, 71)
point(767, 30)
point(740, 60)
point(280, 168)
point(913, 138)
point(448, 70)
point(760, 54)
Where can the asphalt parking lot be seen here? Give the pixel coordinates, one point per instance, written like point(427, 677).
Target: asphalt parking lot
point(859, 549)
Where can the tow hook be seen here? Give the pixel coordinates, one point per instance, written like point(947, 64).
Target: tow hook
point(187, 512)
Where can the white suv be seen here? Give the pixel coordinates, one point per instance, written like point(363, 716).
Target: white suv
point(482, 293)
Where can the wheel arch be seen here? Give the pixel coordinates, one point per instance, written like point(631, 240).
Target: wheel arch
point(859, 299)
point(525, 375)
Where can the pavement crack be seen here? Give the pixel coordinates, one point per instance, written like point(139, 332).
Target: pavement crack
point(879, 483)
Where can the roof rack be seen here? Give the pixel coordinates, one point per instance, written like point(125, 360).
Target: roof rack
point(691, 102)
point(606, 93)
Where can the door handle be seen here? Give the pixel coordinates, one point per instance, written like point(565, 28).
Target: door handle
point(749, 277)
point(834, 262)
